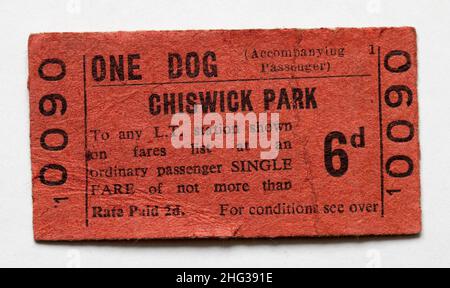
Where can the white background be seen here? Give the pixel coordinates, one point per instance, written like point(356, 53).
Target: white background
point(19, 18)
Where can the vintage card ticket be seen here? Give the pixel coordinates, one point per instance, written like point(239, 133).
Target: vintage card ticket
point(224, 134)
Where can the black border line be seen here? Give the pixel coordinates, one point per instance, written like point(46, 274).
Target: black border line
point(380, 116)
point(232, 80)
point(86, 141)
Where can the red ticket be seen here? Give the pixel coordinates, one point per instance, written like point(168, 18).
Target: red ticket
point(224, 134)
